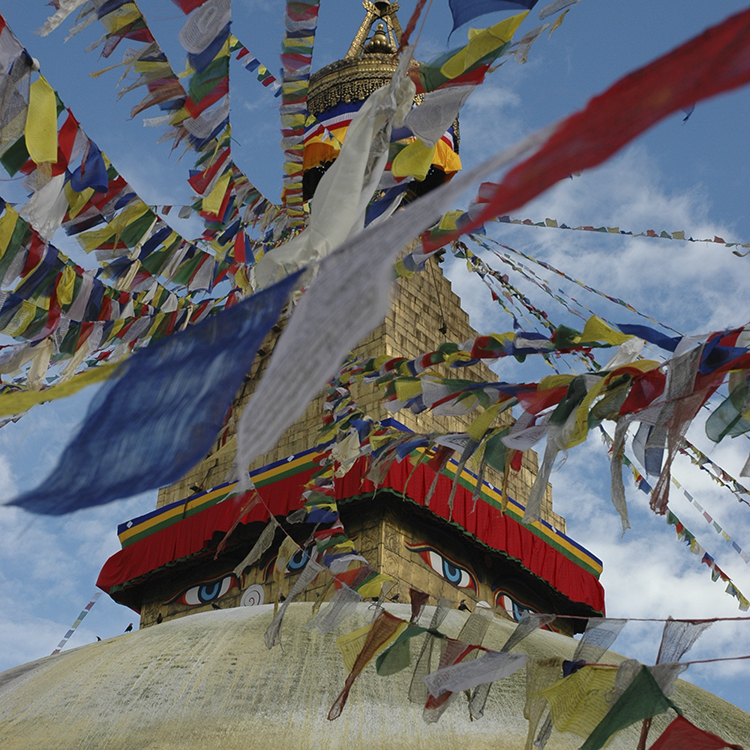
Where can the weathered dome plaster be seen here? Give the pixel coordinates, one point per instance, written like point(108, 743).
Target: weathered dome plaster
point(208, 681)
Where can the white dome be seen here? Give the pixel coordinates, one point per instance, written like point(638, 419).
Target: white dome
point(208, 681)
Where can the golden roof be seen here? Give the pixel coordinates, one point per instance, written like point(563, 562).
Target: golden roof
point(366, 67)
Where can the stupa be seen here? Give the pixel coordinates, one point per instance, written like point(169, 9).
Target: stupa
point(198, 673)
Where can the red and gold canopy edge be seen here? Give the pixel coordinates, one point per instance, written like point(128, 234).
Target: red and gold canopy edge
point(192, 528)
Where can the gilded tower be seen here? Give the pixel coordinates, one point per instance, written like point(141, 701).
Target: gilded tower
point(495, 561)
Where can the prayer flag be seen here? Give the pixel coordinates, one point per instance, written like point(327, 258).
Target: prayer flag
point(161, 412)
point(681, 734)
point(464, 11)
point(642, 699)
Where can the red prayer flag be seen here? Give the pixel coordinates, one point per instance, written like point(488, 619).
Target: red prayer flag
point(186, 6)
point(682, 735)
point(383, 628)
point(716, 61)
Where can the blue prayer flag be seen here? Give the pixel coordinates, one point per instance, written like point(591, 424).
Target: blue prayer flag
point(162, 410)
point(92, 174)
point(464, 11)
point(651, 335)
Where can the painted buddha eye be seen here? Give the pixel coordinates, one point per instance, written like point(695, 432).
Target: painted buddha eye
point(514, 608)
point(444, 566)
point(295, 565)
point(297, 562)
point(206, 592)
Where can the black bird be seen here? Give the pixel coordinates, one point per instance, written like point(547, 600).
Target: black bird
point(98, 638)
point(215, 605)
point(462, 606)
point(395, 597)
point(129, 628)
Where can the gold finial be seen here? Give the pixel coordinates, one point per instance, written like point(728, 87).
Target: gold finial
point(390, 28)
point(380, 43)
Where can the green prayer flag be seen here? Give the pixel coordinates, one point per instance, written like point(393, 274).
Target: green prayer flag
point(398, 656)
point(642, 699)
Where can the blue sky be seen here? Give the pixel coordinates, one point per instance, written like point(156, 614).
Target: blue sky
point(688, 176)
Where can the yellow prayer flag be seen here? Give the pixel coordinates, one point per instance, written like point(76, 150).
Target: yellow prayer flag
point(554, 381)
point(377, 441)
point(481, 43)
point(91, 240)
point(460, 356)
point(76, 201)
point(501, 338)
point(352, 644)
point(15, 403)
point(577, 703)
point(372, 588)
point(597, 330)
point(212, 202)
point(120, 18)
point(7, 225)
point(41, 122)
point(293, 86)
point(558, 21)
point(413, 161)
point(157, 322)
point(449, 220)
point(576, 428)
point(482, 423)
point(293, 121)
point(299, 41)
point(407, 389)
point(21, 319)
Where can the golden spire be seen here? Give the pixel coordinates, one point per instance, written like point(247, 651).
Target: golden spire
point(388, 26)
point(368, 65)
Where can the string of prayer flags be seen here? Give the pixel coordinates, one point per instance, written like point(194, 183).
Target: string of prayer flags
point(253, 65)
point(492, 279)
point(680, 234)
point(300, 23)
point(550, 267)
point(86, 191)
point(684, 534)
point(626, 109)
point(187, 110)
point(161, 412)
point(57, 302)
point(459, 249)
point(712, 522)
point(716, 572)
point(78, 621)
point(702, 461)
